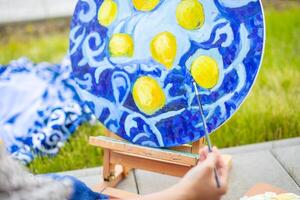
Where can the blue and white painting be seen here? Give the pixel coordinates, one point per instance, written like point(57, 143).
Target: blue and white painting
point(135, 62)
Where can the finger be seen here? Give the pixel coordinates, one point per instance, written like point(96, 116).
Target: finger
point(203, 150)
point(216, 150)
point(220, 161)
point(211, 160)
point(223, 174)
point(222, 170)
point(203, 153)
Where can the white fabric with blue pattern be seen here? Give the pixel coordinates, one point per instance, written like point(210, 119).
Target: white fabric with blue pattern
point(39, 108)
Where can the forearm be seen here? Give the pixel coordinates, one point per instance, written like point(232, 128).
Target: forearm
point(170, 193)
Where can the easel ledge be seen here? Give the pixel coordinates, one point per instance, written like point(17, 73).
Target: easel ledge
point(121, 156)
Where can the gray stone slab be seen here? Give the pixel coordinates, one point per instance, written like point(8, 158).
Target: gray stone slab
point(129, 184)
point(290, 159)
point(247, 148)
point(83, 172)
point(249, 169)
point(286, 142)
point(149, 182)
point(262, 146)
point(91, 180)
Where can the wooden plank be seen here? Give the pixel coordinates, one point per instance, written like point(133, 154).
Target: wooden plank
point(184, 148)
point(126, 171)
point(155, 165)
point(197, 145)
point(202, 142)
point(173, 169)
point(118, 175)
point(113, 182)
point(162, 154)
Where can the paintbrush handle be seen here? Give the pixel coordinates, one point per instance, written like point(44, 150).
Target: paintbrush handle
point(206, 132)
point(217, 178)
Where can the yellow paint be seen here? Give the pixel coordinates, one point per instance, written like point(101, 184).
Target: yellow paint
point(107, 12)
point(145, 5)
point(148, 95)
point(205, 71)
point(163, 49)
point(190, 14)
point(121, 44)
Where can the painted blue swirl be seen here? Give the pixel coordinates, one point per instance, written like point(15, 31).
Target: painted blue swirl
point(233, 34)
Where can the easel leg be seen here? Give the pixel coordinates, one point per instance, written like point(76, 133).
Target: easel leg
point(126, 171)
point(198, 145)
point(112, 174)
point(106, 165)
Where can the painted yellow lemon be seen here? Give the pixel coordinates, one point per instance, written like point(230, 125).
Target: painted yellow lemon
point(107, 12)
point(148, 95)
point(121, 45)
point(190, 14)
point(145, 5)
point(205, 71)
point(163, 49)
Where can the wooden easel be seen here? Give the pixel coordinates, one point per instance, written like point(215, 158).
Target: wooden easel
point(120, 157)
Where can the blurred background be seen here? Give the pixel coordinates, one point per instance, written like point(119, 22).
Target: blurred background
point(39, 30)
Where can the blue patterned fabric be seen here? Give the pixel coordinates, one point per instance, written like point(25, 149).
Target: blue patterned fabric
point(80, 190)
point(233, 35)
point(39, 108)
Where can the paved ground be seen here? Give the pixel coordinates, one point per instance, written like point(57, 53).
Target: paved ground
point(276, 163)
point(28, 10)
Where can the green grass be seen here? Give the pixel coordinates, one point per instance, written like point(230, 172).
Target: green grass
point(76, 154)
point(270, 112)
point(272, 109)
point(51, 48)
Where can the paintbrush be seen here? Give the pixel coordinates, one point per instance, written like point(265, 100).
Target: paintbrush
point(206, 131)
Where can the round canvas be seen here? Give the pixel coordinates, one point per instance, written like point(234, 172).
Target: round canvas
point(135, 61)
